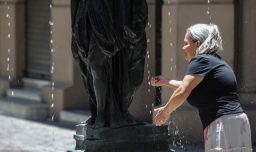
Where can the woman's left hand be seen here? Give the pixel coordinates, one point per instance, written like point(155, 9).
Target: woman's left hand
point(161, 116)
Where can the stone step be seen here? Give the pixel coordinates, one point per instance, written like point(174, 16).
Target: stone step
point(26, 93)
point(27, 82)
point(74, 116)
point(24, 108)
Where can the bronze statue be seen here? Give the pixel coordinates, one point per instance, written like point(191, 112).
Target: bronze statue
point(109, 42)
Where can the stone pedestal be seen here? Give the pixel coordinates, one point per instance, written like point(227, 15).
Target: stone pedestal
point(139, 138)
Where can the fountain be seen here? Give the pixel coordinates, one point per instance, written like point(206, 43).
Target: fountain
point(111, 51)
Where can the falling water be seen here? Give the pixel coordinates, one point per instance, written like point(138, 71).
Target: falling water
point(147, 61)
point(208, 11)
point(52, 69)
point(9, 69)
point(52, 105)
point(173, 129)
point(8, 18)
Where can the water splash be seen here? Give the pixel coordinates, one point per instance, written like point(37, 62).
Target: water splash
point(178, 137)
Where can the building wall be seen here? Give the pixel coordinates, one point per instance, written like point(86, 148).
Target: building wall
point(245, 56)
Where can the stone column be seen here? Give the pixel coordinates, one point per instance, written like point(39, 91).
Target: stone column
point(177, 15)
point(144, 97)
point(12, 42)
point(245, 58)
point(69, 92)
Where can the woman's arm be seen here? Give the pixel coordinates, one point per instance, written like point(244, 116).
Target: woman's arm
point(177, 99)
point(174, 84)
point(160, 81)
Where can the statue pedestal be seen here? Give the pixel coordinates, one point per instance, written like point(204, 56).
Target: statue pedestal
point(139, 138)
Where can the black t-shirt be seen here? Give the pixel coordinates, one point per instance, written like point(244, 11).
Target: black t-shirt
point(217, 94)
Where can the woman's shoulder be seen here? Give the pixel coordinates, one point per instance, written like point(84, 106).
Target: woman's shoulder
point(207, 57)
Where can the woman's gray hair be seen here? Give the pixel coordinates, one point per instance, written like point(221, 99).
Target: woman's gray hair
point(208, 36)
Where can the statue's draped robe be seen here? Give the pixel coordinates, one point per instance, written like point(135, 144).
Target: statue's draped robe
point(109, 42)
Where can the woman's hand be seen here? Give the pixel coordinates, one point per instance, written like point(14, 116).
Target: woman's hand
point(161, 116)
point(158, 81)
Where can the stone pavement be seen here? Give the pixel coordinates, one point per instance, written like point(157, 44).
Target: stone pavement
point(18, 135)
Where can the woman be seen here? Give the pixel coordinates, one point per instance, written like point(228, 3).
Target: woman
point(210, 86)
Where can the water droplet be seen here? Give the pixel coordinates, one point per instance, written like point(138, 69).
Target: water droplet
point(149, 25)
point(171, 68)
point(9, 35)
point(12, 93)
point(176, 132)
point(8, 67)
point(148, 90)
point(52, 105)
point(169, 13)
point(171, 44)
point(53, 84)
point(209, 2)
point(8, 59)
point(170, 30)
point(152, 105)
point(52, 50)
point(148, 40)
point(146, 106)
point(52, 69)
point(9, 24)
point(51, 23)
point(148, 72)
point(52, 95)
point(171, 59)
point(51, 41)
point(208, 12)
point(7, 15)
point(148, 82)
point(150, 112)
point(9, 50)
point(148, 56)
point(8, 7)
point(9, 77)
point(50, 5)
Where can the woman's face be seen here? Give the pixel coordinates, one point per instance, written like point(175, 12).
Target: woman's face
point(189, 47)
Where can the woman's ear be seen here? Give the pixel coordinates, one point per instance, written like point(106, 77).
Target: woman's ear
point(198, 43)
